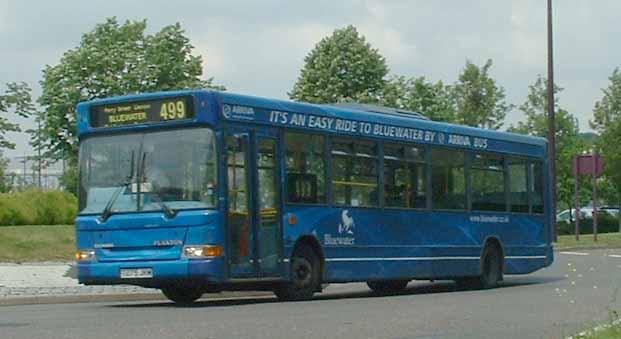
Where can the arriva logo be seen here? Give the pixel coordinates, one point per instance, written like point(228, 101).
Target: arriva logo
point(238, 112)
point(226, 111)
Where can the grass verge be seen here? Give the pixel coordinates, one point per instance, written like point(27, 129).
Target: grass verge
point(605, 240)
point(613, 332)
point(601, 332)
point(37, 243)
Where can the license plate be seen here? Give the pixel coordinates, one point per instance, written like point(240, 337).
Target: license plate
point(130, 273)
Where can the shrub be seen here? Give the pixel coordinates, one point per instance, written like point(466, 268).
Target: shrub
point(606, 223)
point(34, 207)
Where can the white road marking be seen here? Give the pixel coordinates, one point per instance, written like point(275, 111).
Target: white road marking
point(575, 253)
point(615, 255)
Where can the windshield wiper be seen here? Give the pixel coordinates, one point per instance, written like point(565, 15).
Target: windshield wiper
point(168, 211)
point(107, 211)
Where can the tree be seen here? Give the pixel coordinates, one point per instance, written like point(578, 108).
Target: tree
point(5, 182)
point(16, 98)
point(419, 95)
point(568, 141)
point(112, 59)
point(479, 100)
point(341, 67)
point(608, 145)
point(608, 108)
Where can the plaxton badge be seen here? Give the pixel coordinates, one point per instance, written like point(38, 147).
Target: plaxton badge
point(167, 242)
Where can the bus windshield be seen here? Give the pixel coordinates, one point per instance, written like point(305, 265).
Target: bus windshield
point(173, 169)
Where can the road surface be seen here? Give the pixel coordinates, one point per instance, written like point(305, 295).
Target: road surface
point(579, 290)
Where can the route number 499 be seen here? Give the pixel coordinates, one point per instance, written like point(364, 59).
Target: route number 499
point(173, 110)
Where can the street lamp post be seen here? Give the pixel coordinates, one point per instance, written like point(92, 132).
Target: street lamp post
point(551, 119)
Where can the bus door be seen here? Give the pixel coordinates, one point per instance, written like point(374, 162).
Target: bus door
point(253, 216)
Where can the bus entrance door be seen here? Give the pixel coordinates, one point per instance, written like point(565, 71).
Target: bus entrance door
point(253, 216)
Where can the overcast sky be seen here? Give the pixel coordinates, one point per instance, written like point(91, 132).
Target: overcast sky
point(258, 47)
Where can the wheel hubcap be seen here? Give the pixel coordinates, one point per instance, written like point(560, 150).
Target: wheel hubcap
point(301, 272)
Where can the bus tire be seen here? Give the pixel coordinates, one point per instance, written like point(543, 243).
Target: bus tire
point(182, 294)
point(491, 271)
point(305, 276)
point(387, 286)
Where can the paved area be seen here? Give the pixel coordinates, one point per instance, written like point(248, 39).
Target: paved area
point(51, 279)
point(580, 290)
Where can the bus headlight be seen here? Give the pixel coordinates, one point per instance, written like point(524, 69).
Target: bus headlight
point(202, 251)
point(85, 255)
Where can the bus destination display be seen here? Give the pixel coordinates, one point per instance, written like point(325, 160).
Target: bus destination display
point(139, 112)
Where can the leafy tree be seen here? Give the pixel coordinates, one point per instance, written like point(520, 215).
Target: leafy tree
point(419, 95)
point(568, 141)
point(609, 147)
point(5, 182)
point(112, 59)
point(479, 100)
point(16, 98)
point(609, 108)
point(341, 67)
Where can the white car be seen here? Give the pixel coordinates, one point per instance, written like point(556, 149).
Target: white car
point(612, 210)
point(585, 212)
point(568, 215)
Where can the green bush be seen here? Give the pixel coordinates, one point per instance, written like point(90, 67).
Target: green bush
point(606, 223)
point(34, 207)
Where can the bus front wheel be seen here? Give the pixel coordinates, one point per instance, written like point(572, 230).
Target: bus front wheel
point(387, 286)
point(182, 294)
point(305, 276)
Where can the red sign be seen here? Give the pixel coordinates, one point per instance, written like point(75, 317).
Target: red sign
point(591, 164)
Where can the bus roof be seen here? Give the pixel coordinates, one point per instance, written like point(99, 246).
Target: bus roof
point(383, 116)
point(377, 116)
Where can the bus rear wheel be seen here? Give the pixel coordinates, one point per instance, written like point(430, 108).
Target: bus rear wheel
point(305, 276)
point(491, 271)
point(387, 286)
point(182, 294)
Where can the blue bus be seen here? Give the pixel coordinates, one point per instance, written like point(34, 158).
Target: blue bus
point(197, 191)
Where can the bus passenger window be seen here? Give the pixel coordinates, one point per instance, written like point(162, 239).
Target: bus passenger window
point(488, 183)
point(354, 172)
point(404, 176)
point(518, 185)
point(448, 179)
point(537, 186)
point(306, 170)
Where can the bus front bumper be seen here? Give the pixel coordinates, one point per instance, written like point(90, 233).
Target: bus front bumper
point(162, 272)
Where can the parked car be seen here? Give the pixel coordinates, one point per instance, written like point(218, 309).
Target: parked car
point(612, 210)
point(586, 212)
point(568, 215)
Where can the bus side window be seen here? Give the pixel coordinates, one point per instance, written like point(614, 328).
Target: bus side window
point(448, 179)
point(354, 172)
point(404, 176)
point(488, 183)
point(518, 185)
point(306, 169)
